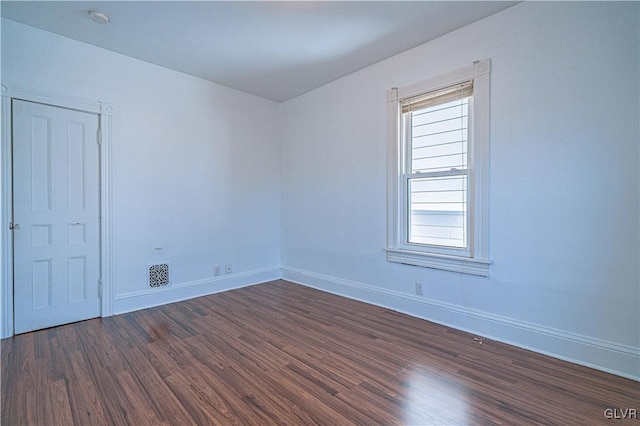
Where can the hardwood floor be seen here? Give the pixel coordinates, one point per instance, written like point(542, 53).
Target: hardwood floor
point(279, 353)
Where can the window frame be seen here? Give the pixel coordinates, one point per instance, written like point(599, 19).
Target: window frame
point(407, 174)
point(474, 259)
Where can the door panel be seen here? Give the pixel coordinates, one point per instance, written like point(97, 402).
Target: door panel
point(55, 215)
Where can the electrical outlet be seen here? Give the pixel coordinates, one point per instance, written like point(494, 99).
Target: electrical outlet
point(419, 290)
point(216, 270)
point(228, 268)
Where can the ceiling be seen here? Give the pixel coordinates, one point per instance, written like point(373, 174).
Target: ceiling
point(274, 49)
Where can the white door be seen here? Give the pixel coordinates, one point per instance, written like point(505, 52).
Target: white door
point(55, 216)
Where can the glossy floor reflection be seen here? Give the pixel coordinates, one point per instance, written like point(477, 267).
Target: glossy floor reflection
point(434, 398)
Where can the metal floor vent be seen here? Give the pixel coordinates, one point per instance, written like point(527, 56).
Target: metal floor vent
point(158, 275)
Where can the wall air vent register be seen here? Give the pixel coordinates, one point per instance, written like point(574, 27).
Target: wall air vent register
point(158, 275)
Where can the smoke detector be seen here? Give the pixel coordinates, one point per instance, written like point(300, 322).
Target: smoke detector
point(99, 16)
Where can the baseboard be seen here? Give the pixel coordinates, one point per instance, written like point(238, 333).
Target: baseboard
point(591, 352)
point(177, 292)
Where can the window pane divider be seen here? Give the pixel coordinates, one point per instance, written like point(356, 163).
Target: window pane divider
point(440, 173)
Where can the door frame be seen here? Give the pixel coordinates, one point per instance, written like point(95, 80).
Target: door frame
point(106, 113)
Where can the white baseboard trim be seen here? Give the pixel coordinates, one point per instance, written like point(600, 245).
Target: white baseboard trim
point(591, 352)
point(151, 297)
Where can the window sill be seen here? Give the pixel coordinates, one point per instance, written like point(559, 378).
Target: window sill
point(464, 265)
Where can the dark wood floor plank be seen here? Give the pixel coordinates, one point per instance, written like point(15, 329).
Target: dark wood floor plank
point(59, 409)
point(280, 353)
point(85, 403)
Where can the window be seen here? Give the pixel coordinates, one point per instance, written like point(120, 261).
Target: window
point(438, 172)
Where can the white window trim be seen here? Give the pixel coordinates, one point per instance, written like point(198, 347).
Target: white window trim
point(474, 260)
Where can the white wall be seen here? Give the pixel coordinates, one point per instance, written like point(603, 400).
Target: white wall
point(196, 166)
point(564, 201)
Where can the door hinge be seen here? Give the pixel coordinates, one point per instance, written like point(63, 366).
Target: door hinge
point(99, 136)
point(99, 288)
point(13, 226)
